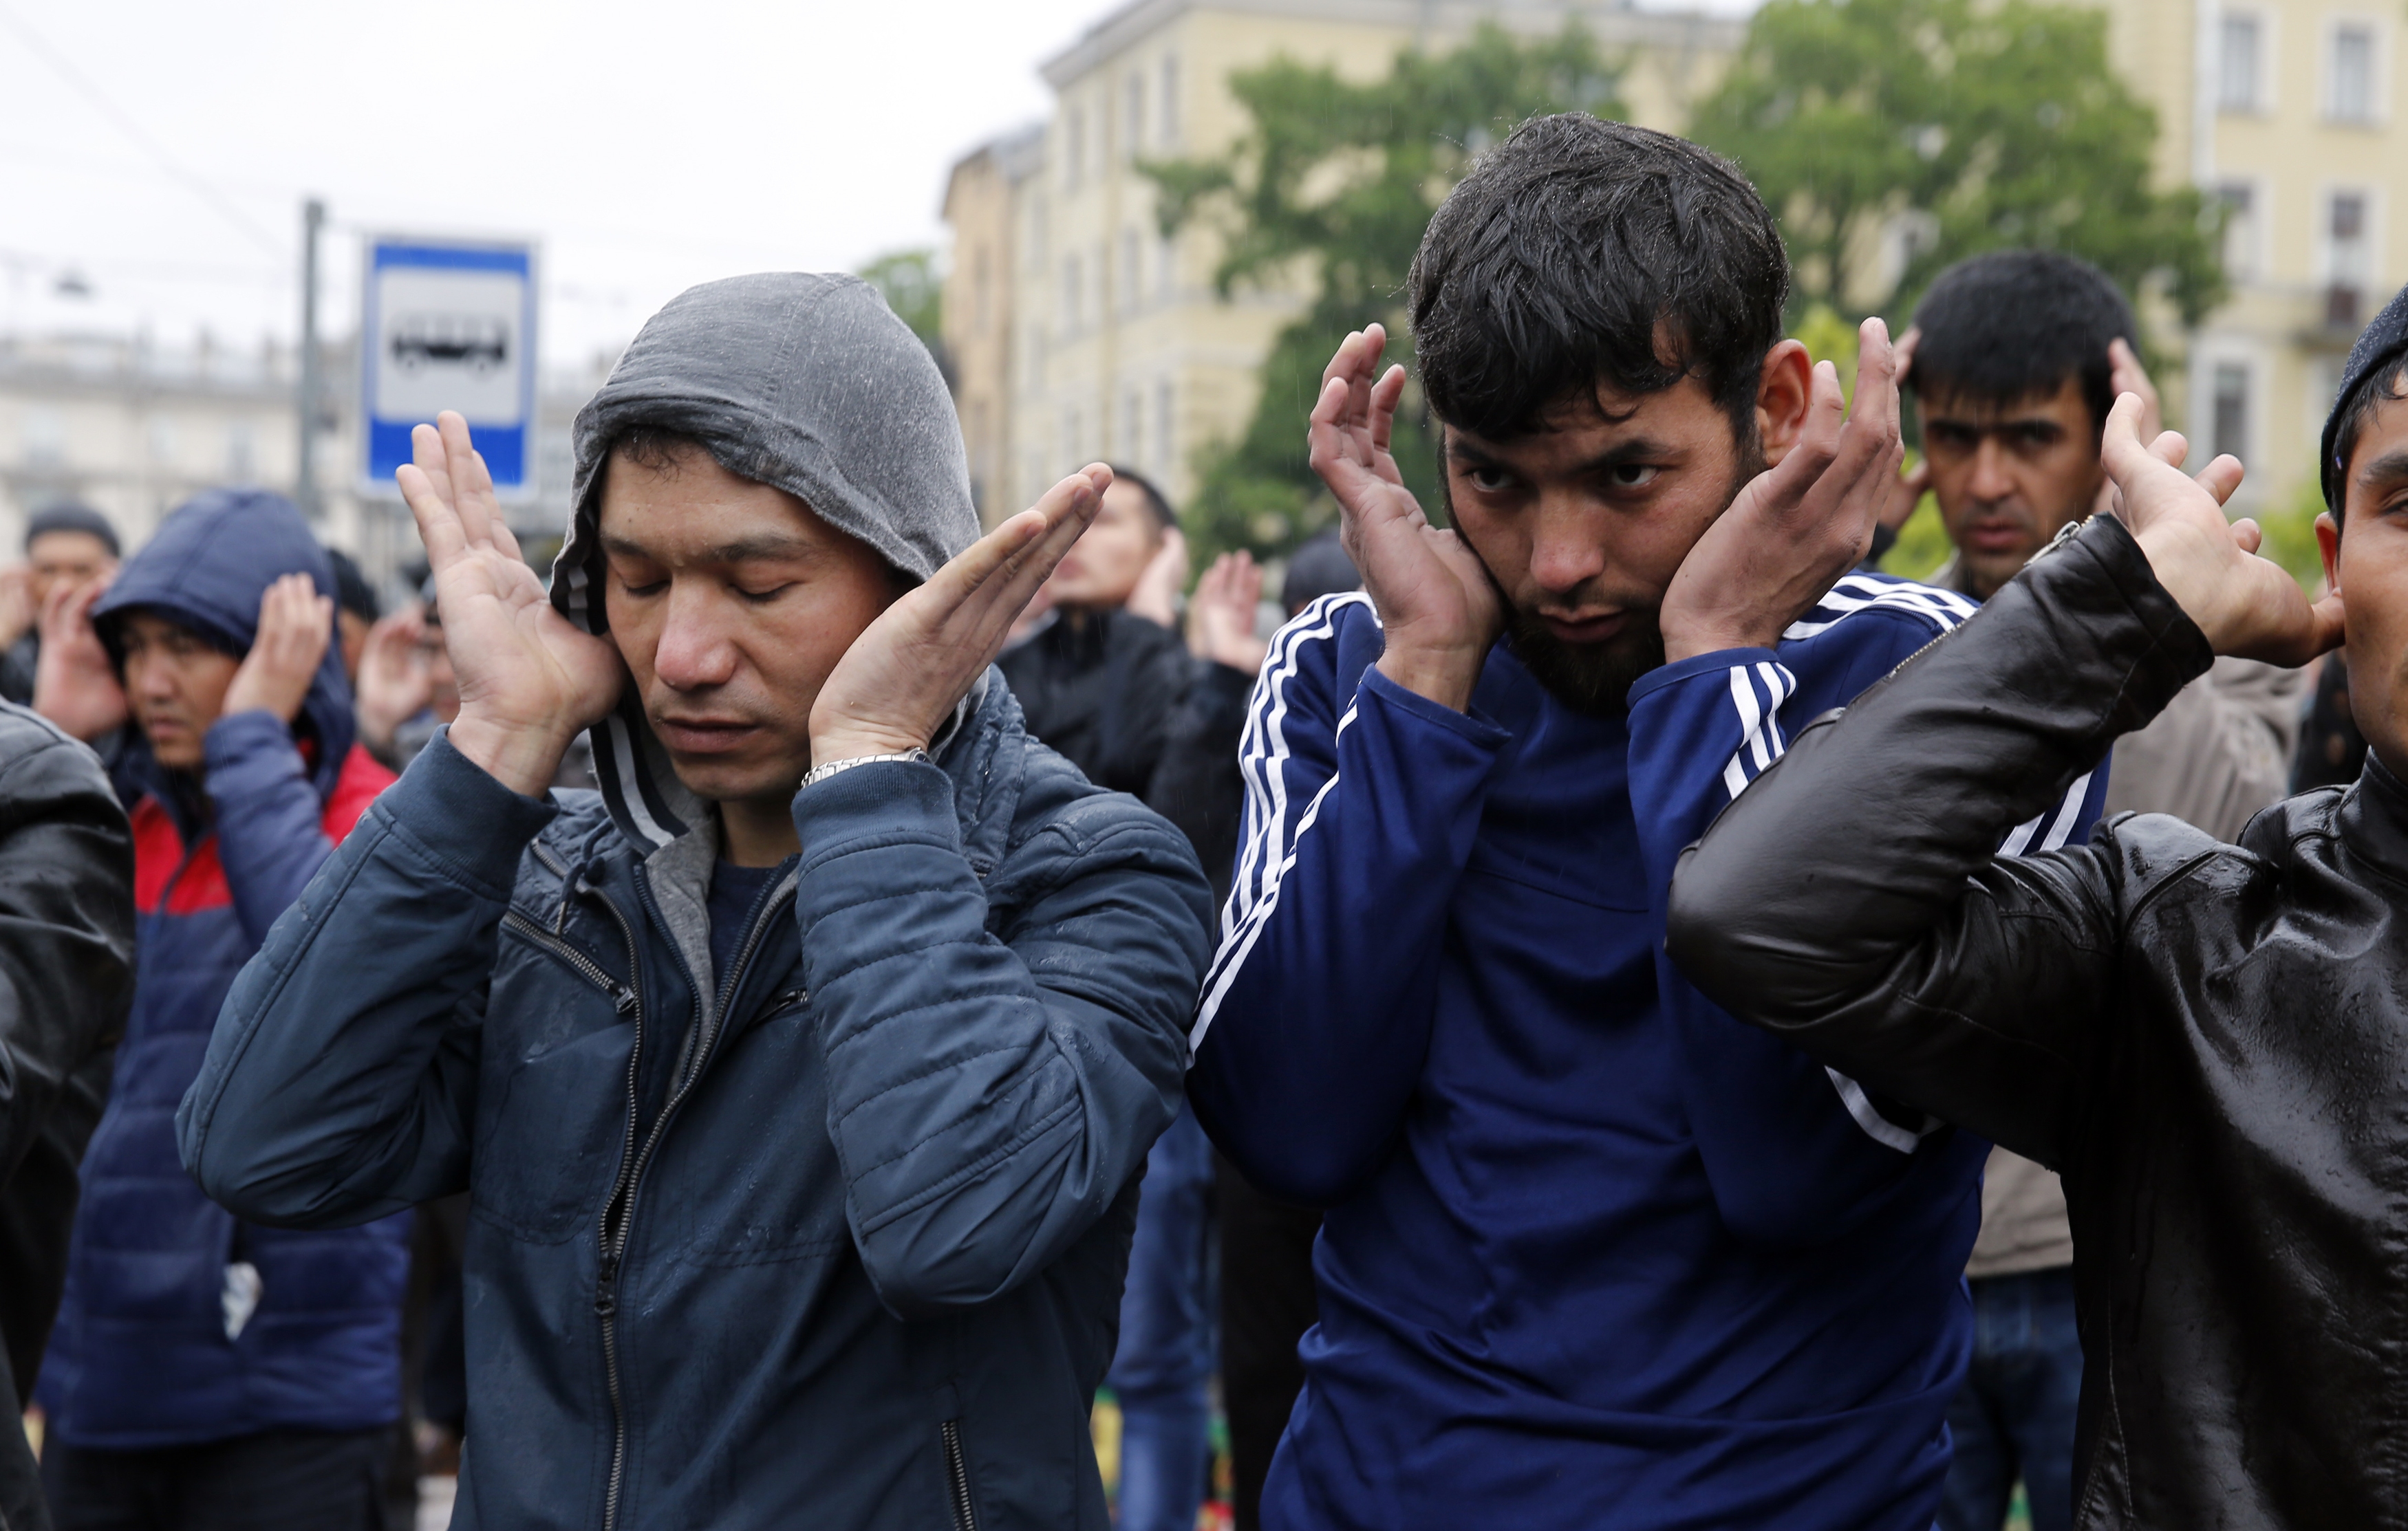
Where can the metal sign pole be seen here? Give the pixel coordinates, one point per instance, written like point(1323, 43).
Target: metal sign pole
point(305, 472)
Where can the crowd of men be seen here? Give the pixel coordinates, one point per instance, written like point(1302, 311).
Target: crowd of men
point(1596, 1007)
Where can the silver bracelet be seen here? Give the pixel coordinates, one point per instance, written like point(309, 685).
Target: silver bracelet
point(821, 773)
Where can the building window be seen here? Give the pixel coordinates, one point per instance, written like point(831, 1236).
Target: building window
point(1132, 277)
point(1073, 437)
point(2240, 202)
point(2238, 61)
point(43, 439)
point(1133, 118)
point(1170, 268)
point(1073, 288)
point(240, 451)
point(1166, 439)
point(1169, 100)
point(2352, 97)
point(1132, 443)
point(2230, 428)
point(1074, 148)
point(159, 432)
point(2349, 260)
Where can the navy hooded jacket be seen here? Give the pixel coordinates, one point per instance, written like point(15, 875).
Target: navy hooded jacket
point(833, 1237)
point(141, 1356)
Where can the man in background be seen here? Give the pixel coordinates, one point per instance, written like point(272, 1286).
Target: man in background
point(2016, 358)
point(67, 547)
point(356, 612)
point(1266, 1271)
point(209, 1371)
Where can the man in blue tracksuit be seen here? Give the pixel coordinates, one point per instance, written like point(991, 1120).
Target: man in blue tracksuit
point(1595, 1255)
point(799, 1078)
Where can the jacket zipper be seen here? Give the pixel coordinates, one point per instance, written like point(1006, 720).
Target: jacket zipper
point(965, 1519)
point(606, 1284)
point(632, 1161)
point(621, 995)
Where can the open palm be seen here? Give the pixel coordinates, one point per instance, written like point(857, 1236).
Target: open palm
point(525, 672)
point(1429, 589)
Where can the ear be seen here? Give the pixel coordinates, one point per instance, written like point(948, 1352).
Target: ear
point(2328, 544)
point(1781, 395)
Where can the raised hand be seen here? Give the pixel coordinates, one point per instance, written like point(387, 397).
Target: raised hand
point(75, 684)
point(1797, 528)
point(2246, 605)
point(529, 679)
point(1156, 595)
point(1221, 614)
point(1440, 612)
point(295, 624)
point(908, 671)
point(2126, 375)
point(17, 613)
point(395, 681)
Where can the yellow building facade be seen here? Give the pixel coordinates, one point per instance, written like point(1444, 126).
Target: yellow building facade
point(1076, 332)
point(2286, 112)
point(1117, 347)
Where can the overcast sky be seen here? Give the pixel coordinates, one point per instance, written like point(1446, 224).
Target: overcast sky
point(648, 145)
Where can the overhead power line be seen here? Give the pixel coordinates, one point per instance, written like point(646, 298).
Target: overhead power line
point(83, 85)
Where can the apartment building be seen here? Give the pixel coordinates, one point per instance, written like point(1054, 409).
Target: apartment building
point(2285, 112)
point(1078, 332)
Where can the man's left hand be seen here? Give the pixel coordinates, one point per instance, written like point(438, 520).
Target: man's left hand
point(1796, 528)
point(908, 671)
point(295, 624)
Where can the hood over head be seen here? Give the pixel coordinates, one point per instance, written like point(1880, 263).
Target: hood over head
point(206, 568)
point(808, 383)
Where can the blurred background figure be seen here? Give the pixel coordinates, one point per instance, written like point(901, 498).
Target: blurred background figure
point(1266, 1282)
point(2018, 357)
point(406, 686)
point(356, 610)
point(67, 547)
point(207, 1372)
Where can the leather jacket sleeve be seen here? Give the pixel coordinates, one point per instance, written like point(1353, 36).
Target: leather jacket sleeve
point(67, 922)
point(1852, 900)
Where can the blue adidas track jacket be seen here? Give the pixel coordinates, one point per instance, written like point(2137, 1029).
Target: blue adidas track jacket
point(1597, 1254)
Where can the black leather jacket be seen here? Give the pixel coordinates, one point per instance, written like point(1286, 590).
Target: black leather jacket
point(2209, 1041)
point(66, 978)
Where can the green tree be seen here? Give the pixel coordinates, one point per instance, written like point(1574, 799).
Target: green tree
point(914, 284)
point(1333, 185)
point(1986, 123)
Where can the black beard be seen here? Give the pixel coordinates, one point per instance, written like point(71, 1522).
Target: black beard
point(1594, 680)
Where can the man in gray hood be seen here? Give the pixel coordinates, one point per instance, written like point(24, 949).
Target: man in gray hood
point(801, 1077)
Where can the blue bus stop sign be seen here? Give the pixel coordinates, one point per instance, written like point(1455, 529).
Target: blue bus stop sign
point(448, 324)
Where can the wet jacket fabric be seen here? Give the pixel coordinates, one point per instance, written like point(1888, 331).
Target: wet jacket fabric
point(833, 1239)
point(141, 1356)
point(66, 977)
point(1101, 687)
point(2208, 1040)
point(1596, 1254)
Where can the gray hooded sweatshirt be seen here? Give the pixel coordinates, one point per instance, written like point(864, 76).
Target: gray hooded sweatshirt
point(835, 1239)
point(805, 382)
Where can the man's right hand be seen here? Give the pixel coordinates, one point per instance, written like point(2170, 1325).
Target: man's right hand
point(2245, 604)
point(395, 681)
point(530, 681)
point(1440, 611)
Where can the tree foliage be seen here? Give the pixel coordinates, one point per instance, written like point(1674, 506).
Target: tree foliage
point(1987, 123)
point(913, 282)
point(1332, 185)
